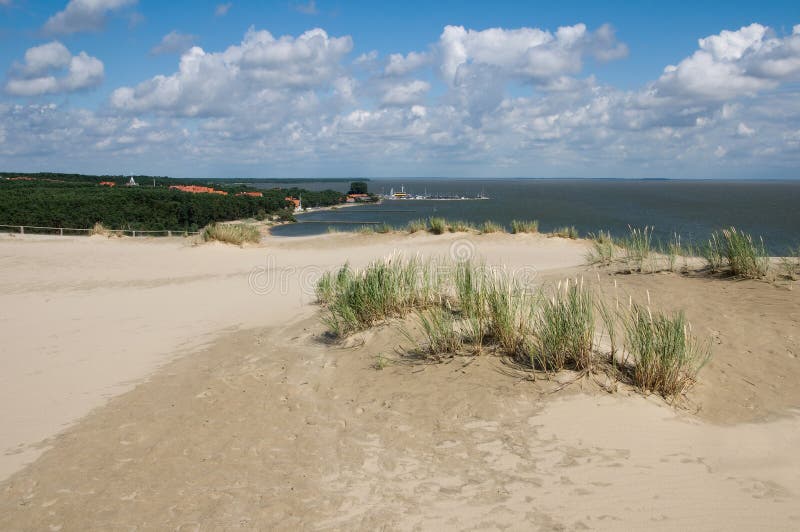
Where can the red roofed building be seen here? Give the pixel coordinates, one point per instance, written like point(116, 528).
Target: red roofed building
point(194, 189)
point(298, 204)
point(352, 198)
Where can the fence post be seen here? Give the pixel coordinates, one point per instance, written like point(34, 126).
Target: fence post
point(169, 233)
point(61, 231)
point(134, 233)
point(22, 229)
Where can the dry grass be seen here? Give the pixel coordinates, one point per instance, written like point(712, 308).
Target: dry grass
point(100, 229)
point(231, 233)
point(565, 232)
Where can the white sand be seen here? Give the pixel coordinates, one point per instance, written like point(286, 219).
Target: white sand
point(83, 319)
point(267, 427)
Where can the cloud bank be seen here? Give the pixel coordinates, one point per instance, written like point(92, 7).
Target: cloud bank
point(497, 101)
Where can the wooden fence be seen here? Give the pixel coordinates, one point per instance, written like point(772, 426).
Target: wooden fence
point(62, 231)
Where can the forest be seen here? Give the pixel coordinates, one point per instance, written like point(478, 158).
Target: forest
point(79, 201)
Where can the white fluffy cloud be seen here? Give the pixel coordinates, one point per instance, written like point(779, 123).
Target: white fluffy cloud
point(51, 68)
point(406, 93)
point(732, 64)
point(499, 101)
point(531, 54)
point(400, 65)
point(262, 70)
point(174, 42)
point(83, 15)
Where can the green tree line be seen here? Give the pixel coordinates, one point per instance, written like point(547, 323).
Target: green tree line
point(80, 202)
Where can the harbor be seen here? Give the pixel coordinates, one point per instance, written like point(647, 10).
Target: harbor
point(402, 195)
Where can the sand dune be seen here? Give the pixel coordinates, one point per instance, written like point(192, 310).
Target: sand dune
point(201, 396)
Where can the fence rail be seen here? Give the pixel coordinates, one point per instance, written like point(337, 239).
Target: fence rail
point(60, 231)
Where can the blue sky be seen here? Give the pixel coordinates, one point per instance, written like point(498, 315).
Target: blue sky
point(303, 89)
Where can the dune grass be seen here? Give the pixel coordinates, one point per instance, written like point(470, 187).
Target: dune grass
point(738, 251)
point(524, 226)
point(746, 257)
point(638, 246)
point(665, 356)
point(674, 250)
point(469, 282)
point(383, 228)
point(460, 226)
point(231, 233)
point(603, 249)
point(790, 264)
point(415, 226)
point(508, 310)
point(563, 330)
point(467, 308)
point(442, 334)
point(437, 225)
point(358, 299)
point(568, 231)
point(491, 227)
point(99, 229)
point(714, 253)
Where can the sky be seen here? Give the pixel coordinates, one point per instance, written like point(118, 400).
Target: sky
point(320, 88)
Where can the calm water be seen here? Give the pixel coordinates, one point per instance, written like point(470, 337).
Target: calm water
point(692, 208)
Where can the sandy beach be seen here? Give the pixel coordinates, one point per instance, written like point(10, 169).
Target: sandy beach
point(156, 384)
